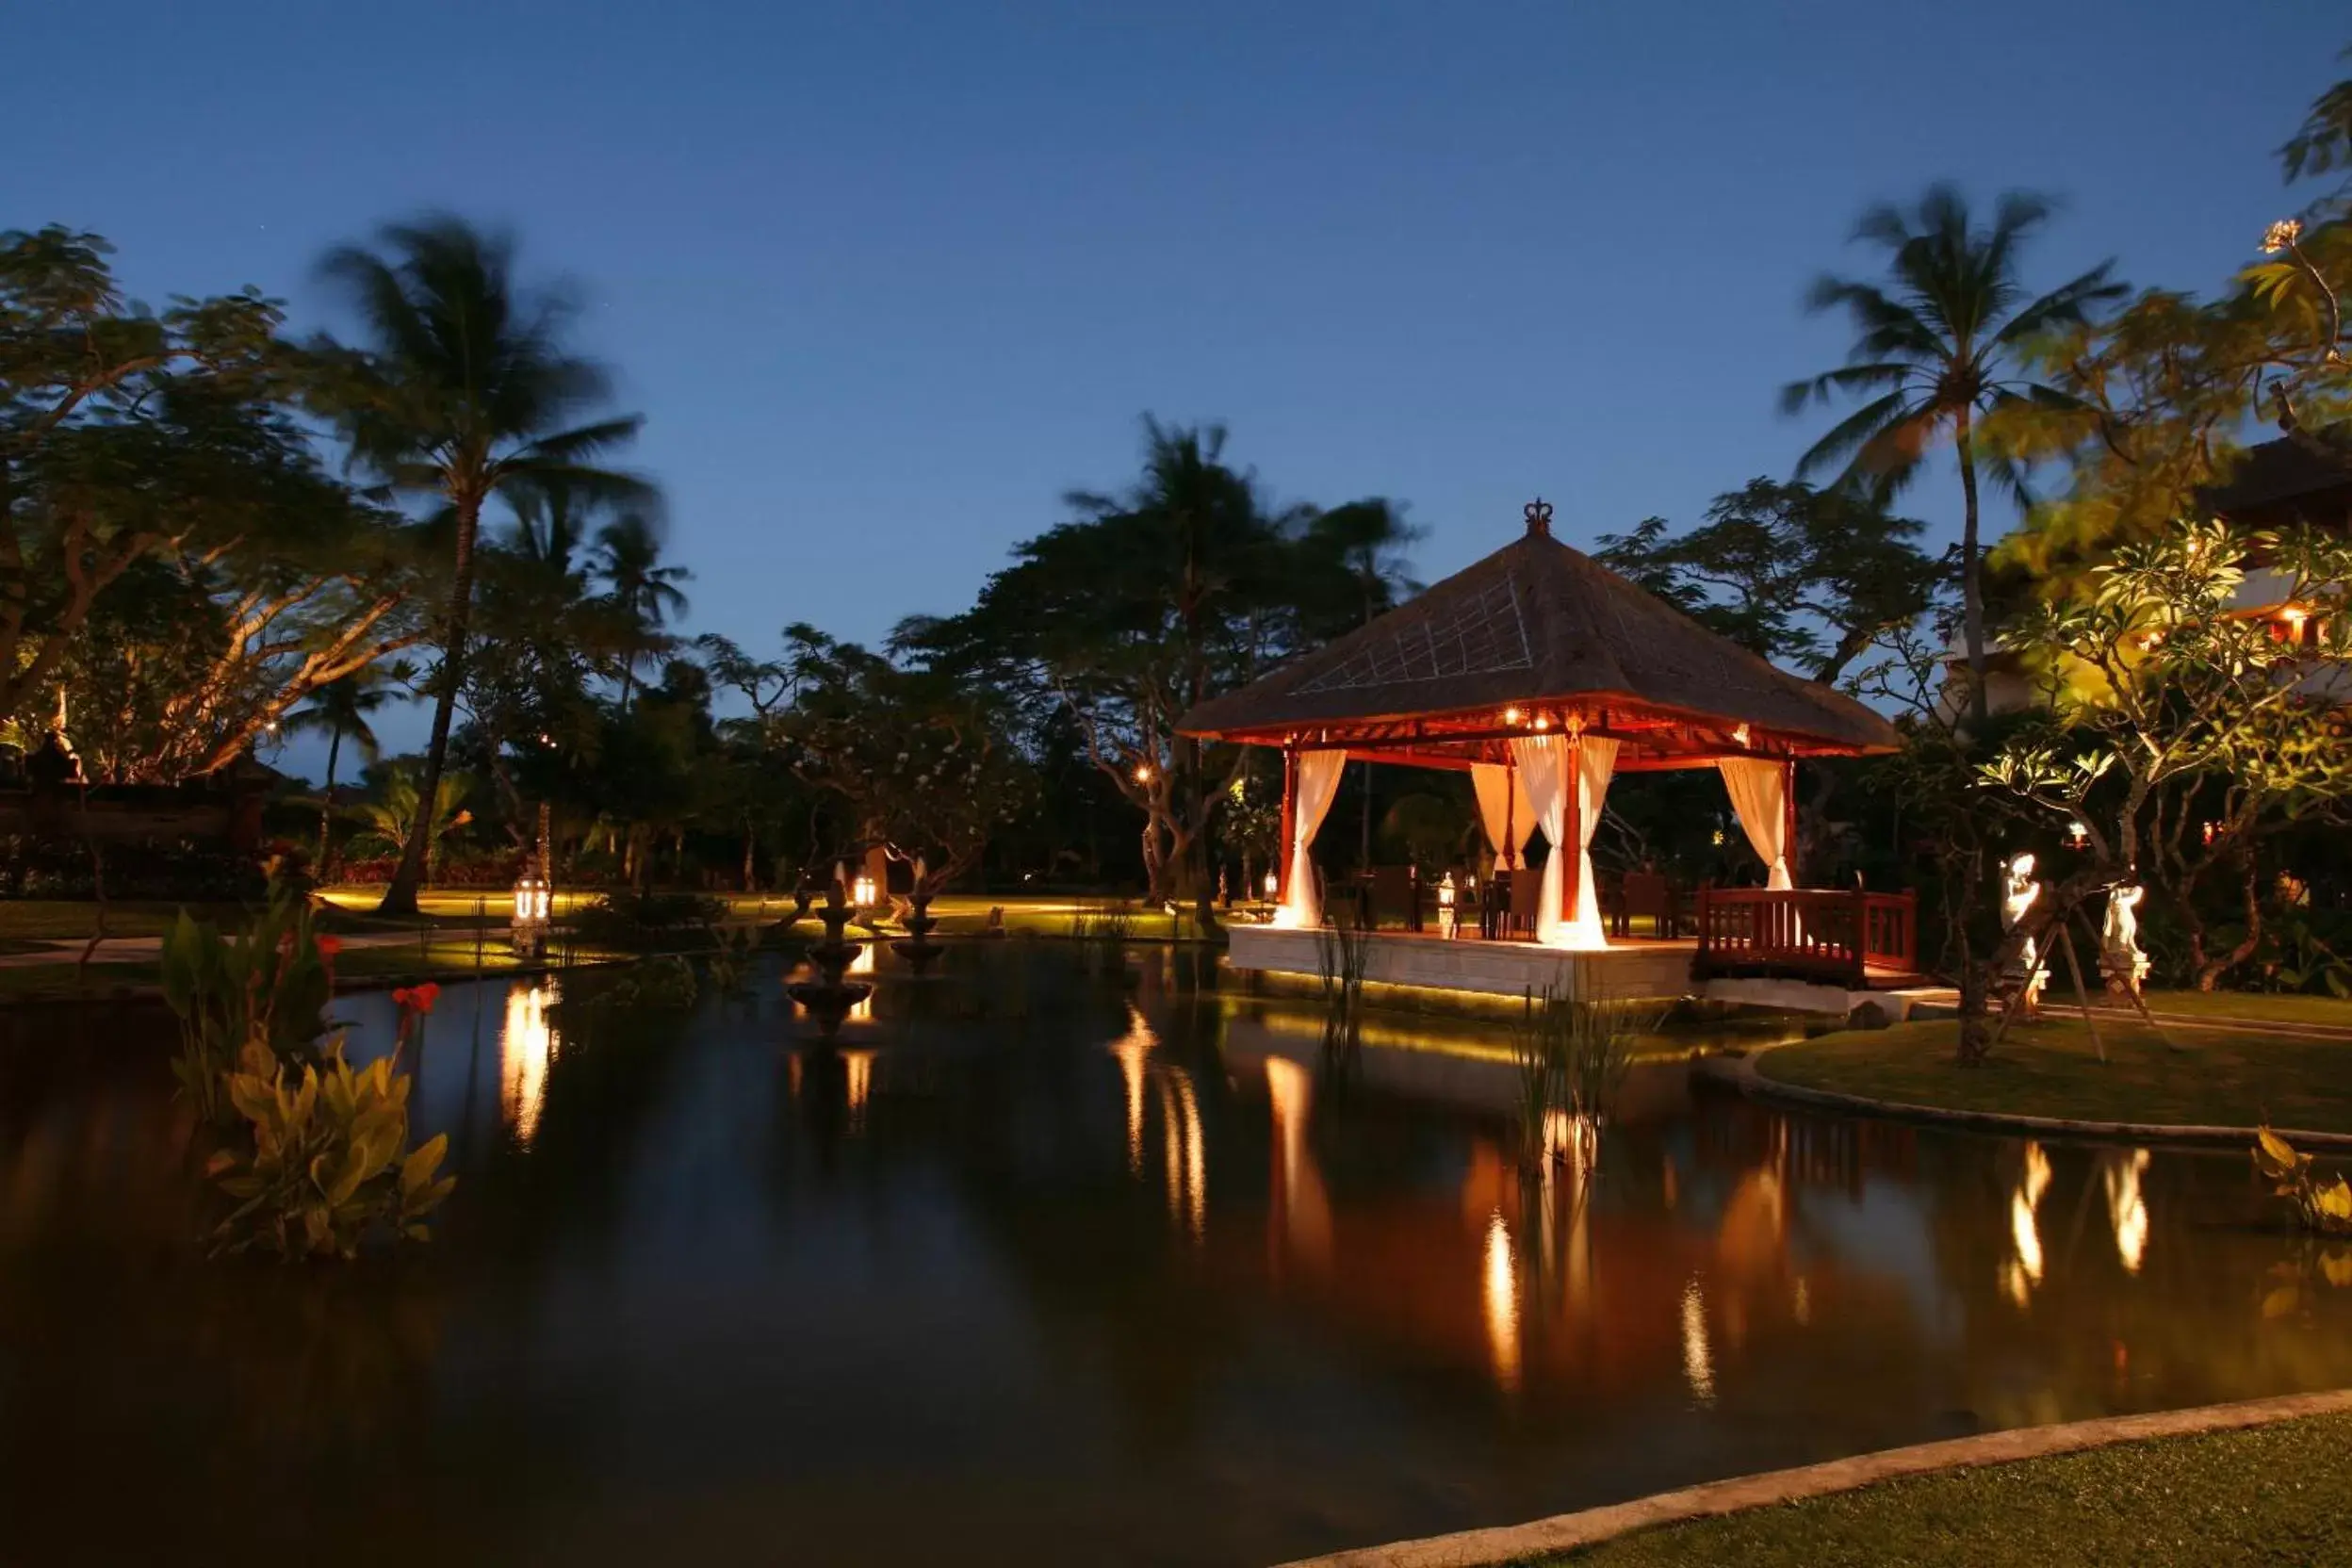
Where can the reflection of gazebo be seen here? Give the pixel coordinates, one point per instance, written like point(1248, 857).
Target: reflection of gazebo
point(1543, 675)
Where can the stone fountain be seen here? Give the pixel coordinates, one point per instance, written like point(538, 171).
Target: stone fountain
point(800, 906)
point(918, 948)
point(829, 997)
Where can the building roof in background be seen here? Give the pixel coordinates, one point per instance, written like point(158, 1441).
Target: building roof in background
point(2281, 471)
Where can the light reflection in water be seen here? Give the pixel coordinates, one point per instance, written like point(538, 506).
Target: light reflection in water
point(862, 964)
point(1698, 1361)
point(1187, 1161)
point(1500, 1288)
point(2020, 1274)
point(1132, 1049)
point(1299, 1196)
point(525, 1047)
point(2126, 1208)
point(858, 1075)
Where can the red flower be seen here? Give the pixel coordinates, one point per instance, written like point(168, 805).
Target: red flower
point(417, 999)
point(329, 947)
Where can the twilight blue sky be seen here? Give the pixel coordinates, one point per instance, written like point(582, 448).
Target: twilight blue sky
point(886, 279)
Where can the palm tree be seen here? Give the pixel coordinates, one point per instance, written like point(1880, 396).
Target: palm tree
point(628, 557)
point(395, 814)
point(466, 391)
point(339, 708)
point(1937, 349)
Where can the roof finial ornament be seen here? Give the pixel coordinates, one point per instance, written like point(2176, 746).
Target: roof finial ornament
point(1538, 511)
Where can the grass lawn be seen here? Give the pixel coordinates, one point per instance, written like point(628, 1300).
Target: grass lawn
point(2281, 1007)
point(2049, 1068)
point(2271, 1494)
point(32, 919)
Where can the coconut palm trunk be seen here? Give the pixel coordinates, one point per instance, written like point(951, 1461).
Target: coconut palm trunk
point(326, 801)
point(1971, 572)
point(401, 897)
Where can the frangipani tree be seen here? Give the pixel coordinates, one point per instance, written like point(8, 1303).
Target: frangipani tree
point(2179, 727)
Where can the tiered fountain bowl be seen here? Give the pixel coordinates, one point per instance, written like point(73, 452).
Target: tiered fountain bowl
point(918, 948)
point(830, 996)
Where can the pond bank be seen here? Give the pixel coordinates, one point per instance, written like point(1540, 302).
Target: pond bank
point(2034, 1495)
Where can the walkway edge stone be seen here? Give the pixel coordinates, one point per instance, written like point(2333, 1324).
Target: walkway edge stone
point(1741, 1072)
point(1566, 1532)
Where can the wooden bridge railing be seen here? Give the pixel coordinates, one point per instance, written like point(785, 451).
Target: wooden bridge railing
point(1805, 934)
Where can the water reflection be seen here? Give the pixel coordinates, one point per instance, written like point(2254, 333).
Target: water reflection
point(2021, 1273)
point(1187, 1160)
point(703, 1320)
point(525, 1048)
point(1132, 1049)
point(1303, 1210)
point(856, 1086)
point(1499, 1291)
point(2127, 1210)
point(868, 956)
point(1698, 1361)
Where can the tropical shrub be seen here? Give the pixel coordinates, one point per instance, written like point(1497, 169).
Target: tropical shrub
point(330, 1166)
point(2322, 1206)
point(666, 982)
point(160, 870)
point(638, 922)
point(267, 986)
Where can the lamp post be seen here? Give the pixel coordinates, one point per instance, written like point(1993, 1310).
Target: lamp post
point(1448, 918)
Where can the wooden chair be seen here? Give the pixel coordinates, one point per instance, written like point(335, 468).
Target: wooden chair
point(1644, 893)
point(1527, 898)
point(1391, 891)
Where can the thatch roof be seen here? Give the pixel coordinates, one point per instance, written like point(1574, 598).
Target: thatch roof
point(1538, 623)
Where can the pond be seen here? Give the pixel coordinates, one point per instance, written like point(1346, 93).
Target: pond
point(1054, 1265)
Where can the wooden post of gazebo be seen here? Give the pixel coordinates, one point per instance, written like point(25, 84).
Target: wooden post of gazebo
point(1290, 822)
point(1789, 817)
point(1572, 814)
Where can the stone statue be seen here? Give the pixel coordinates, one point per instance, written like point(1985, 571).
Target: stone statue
point(2120, 960)
point(2024, 966)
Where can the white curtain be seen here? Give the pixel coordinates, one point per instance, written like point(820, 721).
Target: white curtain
point(1542, 769)
point(1317, 782)
point(1598, 759)
point(1503, 808)
point(1759, 786)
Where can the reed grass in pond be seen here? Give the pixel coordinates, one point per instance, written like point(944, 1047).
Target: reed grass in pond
point(1054, 1260)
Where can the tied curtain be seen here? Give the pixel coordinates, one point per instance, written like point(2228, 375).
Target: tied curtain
point(1759, 786)
point(1504, 809)
point(1543, 761)
point(1317, 782)
point(1597, 761)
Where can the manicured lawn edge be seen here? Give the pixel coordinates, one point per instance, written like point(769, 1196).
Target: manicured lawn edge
point(1742, 1074)
point(1569, 1532)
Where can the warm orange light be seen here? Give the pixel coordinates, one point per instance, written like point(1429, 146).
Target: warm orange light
point(1510, 715)
point(1543, 722)
point(1143, 772)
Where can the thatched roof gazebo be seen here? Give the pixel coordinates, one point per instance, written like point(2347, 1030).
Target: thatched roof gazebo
point(1541, 673)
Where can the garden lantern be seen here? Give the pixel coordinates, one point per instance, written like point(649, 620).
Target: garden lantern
point(535, 900)
point(1448, 920)
point(862, 892)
